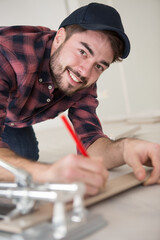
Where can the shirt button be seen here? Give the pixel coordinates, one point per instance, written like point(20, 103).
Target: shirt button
point(48, 99)
point(12, 124)
point(50, 87)
point(40, 80)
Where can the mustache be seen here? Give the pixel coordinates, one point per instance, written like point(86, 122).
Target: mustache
point(83, 79)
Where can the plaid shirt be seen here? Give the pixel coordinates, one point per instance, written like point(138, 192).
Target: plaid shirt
point(27, 94)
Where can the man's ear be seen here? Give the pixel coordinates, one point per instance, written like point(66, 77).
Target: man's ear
point(59, 38)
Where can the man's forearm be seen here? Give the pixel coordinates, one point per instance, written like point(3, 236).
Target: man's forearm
point(71, 168)
point(110, 151)
point(34, 168)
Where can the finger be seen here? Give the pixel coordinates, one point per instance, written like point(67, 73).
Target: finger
point(138, 169)
point(105, 172)
point(90, 190)
point(91, 179)
point(95, 165)
point(76, 173)
point(155, 174)
point(153, 178)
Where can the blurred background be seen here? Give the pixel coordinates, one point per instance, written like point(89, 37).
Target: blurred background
point(128, 90)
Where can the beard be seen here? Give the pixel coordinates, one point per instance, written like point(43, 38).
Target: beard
point(57, 71)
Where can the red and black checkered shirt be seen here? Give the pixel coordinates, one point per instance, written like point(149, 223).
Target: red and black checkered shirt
point(27, 94)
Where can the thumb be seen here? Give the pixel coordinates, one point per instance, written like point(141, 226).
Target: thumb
point(138, 169)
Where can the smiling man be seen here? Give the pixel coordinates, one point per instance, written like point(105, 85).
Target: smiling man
point(78, 62)
point(43, 73)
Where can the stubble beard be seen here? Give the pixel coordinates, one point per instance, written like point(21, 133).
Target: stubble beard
point(57, 71)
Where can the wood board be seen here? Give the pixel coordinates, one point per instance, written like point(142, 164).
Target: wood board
point(44, 211)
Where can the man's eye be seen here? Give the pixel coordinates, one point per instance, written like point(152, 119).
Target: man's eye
point(99, 67)
point(83, 52)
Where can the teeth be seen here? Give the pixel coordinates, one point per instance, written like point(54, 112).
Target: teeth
point(73, 77)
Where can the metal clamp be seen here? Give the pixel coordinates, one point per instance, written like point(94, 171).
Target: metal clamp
point(25, 193)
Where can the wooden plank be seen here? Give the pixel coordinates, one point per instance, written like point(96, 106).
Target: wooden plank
point(44, 211)
point(116, 186)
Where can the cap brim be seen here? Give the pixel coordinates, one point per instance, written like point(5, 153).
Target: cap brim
point(120, 33)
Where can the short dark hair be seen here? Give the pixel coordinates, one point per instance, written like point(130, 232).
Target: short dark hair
point(115, 40)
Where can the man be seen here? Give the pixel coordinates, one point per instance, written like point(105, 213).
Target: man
point(44, 73)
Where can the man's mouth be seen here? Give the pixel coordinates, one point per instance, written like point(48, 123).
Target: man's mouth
point(74, 78)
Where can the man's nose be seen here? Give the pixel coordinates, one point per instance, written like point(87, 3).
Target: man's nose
point(85, 69)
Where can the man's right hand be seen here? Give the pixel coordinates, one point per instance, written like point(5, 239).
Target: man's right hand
point(90, 171)
point(72, 168)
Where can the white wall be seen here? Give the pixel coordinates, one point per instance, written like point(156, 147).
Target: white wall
point(127, 89)
point(47, 13)
point(141, 69)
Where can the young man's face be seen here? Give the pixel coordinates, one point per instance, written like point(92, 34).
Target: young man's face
point(78, 62)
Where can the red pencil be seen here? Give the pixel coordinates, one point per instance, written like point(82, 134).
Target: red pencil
point(74, 135)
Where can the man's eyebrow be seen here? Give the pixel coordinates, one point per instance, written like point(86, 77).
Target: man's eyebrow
point(105, 63)
point(92, 53)
point(88, 48)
